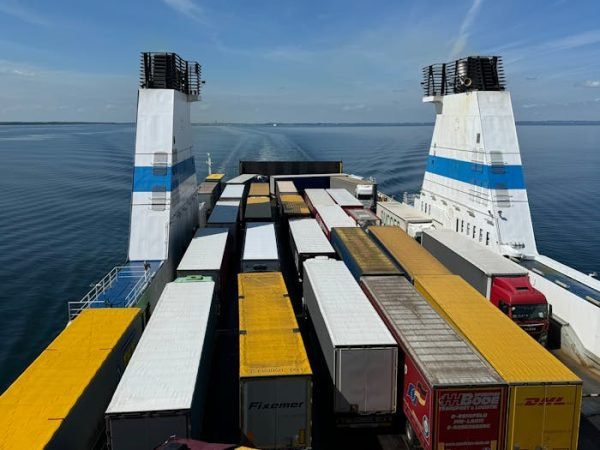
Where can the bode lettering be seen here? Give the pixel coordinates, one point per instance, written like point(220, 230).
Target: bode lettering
point(469, 400)
point(264, 405)
point(540, 401)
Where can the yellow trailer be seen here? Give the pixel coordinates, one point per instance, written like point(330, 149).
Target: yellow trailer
point(293, 205)
point(544, 402)
point(58, 402)
point(259, 190)
point(275, 374)
point(407, 252)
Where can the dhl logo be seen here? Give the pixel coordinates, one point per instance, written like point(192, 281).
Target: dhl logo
point(544, 401)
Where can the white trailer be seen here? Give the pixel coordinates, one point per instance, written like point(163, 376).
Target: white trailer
point(344, 198)
point(233, 192)
point(207, 255)
point(163, 389)
point(317, 197)
point(260, 248)
point(360, 352)
point(242, 179)
point(285, 187)
point(410, 219)
point(331, 217)
point(364, 190)
point(307, 241)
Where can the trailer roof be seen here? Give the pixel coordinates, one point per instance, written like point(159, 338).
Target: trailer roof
point(258, 208)
point(405, 212)
point(34, 407)
point(334, 216)
point(349, 317)
point(242, 179)
point(258, 189)
point(441, 353)
point(206, 250)
point(233, 191)
point(271, 343)
point(365, 253)
point(225, 211)
point(510, 350)
point(215, 177)
point(308, 237)
point(207, 187)
point(318, 197)
point(162, 372)
point(407, 252)
point(260, 242)
point(286, 187)
point(293, 205)
point(489, 262)
point(344, 198)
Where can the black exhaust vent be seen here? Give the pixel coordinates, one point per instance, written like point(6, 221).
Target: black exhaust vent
point(169, 71)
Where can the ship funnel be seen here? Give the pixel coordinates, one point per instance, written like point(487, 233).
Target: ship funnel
point(164, 203)
point(474, 181)
point(474, 73)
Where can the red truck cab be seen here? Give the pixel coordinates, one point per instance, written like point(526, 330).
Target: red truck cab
point(525, 305)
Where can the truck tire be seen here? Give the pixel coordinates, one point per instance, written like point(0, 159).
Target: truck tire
point(411, 439)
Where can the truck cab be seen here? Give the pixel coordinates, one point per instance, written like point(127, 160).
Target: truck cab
point(525, 305)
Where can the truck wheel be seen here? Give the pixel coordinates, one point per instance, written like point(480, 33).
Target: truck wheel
point(410, 436)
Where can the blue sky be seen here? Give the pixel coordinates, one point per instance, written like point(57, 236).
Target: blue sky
point(294, 61)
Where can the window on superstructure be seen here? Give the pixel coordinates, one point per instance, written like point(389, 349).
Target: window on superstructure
point(480, 235)
point(462, 226)
point(457, 225)
point(487, 238)
point(474, 231)
point(468, 229)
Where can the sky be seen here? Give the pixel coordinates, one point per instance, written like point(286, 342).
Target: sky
point(294, 61)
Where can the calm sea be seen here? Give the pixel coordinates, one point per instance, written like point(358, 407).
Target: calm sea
point(65, 191)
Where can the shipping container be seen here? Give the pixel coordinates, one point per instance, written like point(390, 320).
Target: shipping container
point(259, 190)
point(202, 214)
point(544, 399)
point(58, 402)
point(162, 392)
point(364, 190)
point(275, 374)
point(407, 252)
point(208, 255)
point(317, 197)
point(307, 241)
point(208, 192)
point(408, 218)
point(364, 218)
point(233, 192)
point(292, 205)
point(451, 396)
point(285, 187)
point(505, 283)
point(260, 248)
point(242, 179)
point(360, 353)
point(344, 198)
point(258, 209)
point(360, 253)
point(333, 216)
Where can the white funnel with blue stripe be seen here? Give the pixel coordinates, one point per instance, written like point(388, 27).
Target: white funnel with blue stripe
point(474, 180)
point(164, 203)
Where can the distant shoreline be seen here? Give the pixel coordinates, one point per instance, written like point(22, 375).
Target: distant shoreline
point(322, 124)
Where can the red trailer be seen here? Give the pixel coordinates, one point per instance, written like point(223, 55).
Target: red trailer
point(451, 397)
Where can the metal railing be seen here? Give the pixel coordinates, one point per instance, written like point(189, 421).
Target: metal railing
point(170, 71)
point(475, 73)
point(91, 299)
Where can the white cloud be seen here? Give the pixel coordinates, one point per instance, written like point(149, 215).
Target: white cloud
point(574, 40)
point(590, 83)
point(187, 8)
point(21, 12)
point(465, 29)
